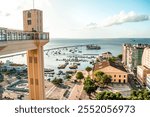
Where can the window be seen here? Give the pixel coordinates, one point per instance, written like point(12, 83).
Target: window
point(29, 22)
point(114, 80)
point(35, 59)
point(30, 59)
point(124, 76)
point(3, 35)
point(114, 75)
point(29, 15)
point(31, 81)
point(119, 76)
point(36, 81)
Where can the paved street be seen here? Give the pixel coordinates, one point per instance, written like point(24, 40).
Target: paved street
point(134, 82)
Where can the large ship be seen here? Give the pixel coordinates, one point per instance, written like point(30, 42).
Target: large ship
point(93, 47)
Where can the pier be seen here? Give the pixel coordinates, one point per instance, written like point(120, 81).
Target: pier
point(46, 50)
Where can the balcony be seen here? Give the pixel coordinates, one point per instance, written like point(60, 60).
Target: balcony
point(13, 41)
point(18, 35)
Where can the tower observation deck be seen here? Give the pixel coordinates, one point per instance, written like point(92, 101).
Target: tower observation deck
point(31, 39)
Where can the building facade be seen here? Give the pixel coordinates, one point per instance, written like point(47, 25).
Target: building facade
point(117, 72)
point(132, 55)
point(33, 20)
point(125, 53)
point(148, 82)
point(142, 74)
point(146, 57)
point(137, 53)
point(144, 69)
point(107, 55)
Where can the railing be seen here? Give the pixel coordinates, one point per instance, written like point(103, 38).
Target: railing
point(18, 35)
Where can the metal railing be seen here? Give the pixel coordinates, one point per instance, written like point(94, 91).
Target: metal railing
point(18, 35)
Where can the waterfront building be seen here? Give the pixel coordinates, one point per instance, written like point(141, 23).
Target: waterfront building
point(107, 55)
point(132, 55)
point(146, 57)
point(129, 58)
point(142, 74)
point(115, 70)
point(148, 82)
point(137, 55)
point(124, 53)
point(144, 69)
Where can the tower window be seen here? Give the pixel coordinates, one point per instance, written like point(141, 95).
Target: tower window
point(29, 15)
point(29, 22)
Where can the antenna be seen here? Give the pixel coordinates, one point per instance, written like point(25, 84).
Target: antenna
point(33, 4)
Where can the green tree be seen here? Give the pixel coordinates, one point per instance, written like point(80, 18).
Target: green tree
point(112, 59)
point(57, 82)
point(102, 79)
point(140, 95)
point(119, 56)
point(89, 86)
point(68, 77)
point(106, 79)
point(107, 95)
point(1, 77)
point(1, 91)
point(79, 75)
point(88, 69)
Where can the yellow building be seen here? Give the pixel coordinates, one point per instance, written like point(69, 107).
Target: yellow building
point(116, 71)
point(33, 20)
point(31, 39)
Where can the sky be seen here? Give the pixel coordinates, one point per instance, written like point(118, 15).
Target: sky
point(83, 18)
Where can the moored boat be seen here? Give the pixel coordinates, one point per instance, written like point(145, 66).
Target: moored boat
point(93, 47)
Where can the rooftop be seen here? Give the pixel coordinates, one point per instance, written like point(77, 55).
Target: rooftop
point(106, 53)
point(104, 64)
point(137, 46)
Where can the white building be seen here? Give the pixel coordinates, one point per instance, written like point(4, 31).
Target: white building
point(146, 57)
point(142, 74)
point(144, 69)
point(148, 82)
point(107, 55)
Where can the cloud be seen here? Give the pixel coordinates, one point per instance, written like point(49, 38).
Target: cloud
point(123, 17)
point(92, 25)
point(4, 14)
point(7, 14)
point(19, 7)
point(119, 19)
